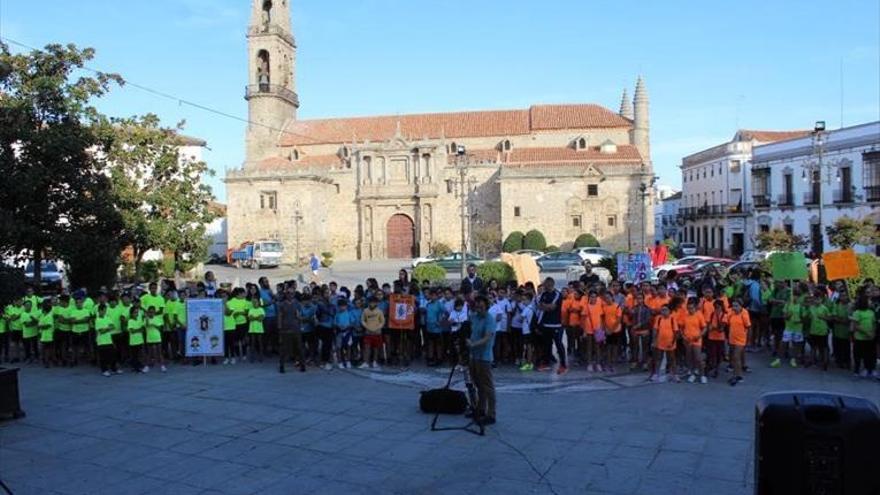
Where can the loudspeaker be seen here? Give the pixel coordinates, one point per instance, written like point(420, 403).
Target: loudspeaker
point(443, 401)
point(816, 443)
point(10, 405)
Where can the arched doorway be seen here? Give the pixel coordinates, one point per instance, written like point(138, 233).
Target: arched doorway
point(401, 237)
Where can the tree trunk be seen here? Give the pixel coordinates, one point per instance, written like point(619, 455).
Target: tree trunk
point(38, 268)
point(138, 261)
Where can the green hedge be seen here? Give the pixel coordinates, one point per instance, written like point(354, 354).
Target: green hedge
point(496, 270)
point(551, 249)
point(431, 272)
point(586, 240)
point(869, 266)
point(514, 242)
point(535, 240)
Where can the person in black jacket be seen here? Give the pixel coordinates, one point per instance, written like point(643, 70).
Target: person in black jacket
point(472, 283)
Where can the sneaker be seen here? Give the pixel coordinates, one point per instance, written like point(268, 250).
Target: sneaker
point(599, 368)
point(524, 367)
point(675, 379)
point(340, 365)
point(163, 369)
point(119, 372)
point(733, 381)
point(654, 378)
point(106, 373)
point(543, 367)
point(562, 370)
point(661, 378)
point(226, 361)
point(376, 366)
point(776, 363)
point(364, 366)
point(863, 374)
point(704, 380)
point(692, 378)
point(347, 365)
point(328, 367)
point(232, 361)
point(793, 363)
point(589, 368)
point(746, 369)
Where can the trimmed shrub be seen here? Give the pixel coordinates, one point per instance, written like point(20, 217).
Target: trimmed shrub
point(431, 272)
point(514, 242)
point(586, 240)
point(551, 249)
point(440, 250)
point(534, 239)
point(869, 266)
point(496, 270)
point(326, 259)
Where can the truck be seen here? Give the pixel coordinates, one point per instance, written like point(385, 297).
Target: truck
point(256, 254)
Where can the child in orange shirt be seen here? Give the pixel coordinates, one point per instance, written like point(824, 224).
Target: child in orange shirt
point(694, 328)
point(612, 316)
point(738, 325)
point(716, 336)
point(571, 315)
point(665, 331)
point(592, 321)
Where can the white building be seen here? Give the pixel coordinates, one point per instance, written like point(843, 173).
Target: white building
point(803, 185)
point(714, 185)
point(667, 224)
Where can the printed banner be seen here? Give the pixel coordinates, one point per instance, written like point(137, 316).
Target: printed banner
point(401, 312)
point(204, 327)
point(841, 265)
point(634, 268)
point(789, 266)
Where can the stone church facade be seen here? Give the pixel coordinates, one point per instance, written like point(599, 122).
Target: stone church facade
point(390, 186)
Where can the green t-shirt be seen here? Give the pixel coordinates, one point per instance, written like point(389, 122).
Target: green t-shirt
point(818, 323)
point(228, 323)
point(47, 327)
point(36, 303)
point(80, 319)
point(865, 324)
point(89, 304)
point(150, 301)
point(135, 327)
point(12, 313)
point(239, 308)
point(29, 324)
point(840, 327)
point(175, 313)
point(104, 328)
point(255, 318)
point(776, 310)
point(2, 324)
point(118, 313)
point(155, 327)
point(794, 317)
point(62, 313)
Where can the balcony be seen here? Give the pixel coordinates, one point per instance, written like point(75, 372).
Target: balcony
point(785, 200)
point(811, 199)
point(761, 201)
point(872, 194)
point(843, 197)
point(258, 90)
point(272, 31)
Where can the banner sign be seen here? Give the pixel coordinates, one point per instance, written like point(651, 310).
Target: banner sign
point(204, 327)
point(841, 265)
point(789, 266)
point(401, 312)
point(635, 268)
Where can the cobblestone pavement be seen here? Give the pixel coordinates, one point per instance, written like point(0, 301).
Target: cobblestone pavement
point(248, 429)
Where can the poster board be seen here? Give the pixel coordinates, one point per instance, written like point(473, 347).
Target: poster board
point(634, 267)
point(524, 267)
point(789, 266)
point(841, 265)
point(401, 312)
point(204, 328)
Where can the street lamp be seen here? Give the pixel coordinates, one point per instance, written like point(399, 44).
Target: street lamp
point(461, 164)
point(817, 172)
point(297, 218)
point(644, 187)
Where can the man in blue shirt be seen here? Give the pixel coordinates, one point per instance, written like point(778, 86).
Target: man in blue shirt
point(480, 343)
point(314, 265)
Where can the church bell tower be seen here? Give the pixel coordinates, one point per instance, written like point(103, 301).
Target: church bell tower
point(271, 91)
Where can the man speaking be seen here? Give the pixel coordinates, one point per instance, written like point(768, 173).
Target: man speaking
point(481, 342)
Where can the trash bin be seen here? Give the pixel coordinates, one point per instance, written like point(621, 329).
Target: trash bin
point(816, 443)
point(10, 403)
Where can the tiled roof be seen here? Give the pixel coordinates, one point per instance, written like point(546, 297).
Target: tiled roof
point(452, 125)
point(768, 136)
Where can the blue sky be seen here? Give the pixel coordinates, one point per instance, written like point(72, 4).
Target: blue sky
point(710, 66)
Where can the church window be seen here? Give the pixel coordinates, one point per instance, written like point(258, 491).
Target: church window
point(269, 200)
point(581, 144)
point(263, 71)
point(593, 190)
point(576, 221)
point(505, 145)
point(294, 155)
point(612, 220)
point(266, 15)
point(516, 211)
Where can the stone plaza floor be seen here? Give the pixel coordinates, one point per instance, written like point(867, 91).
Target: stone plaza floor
point(248, 429)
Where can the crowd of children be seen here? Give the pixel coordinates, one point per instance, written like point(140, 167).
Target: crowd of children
point(694, 332)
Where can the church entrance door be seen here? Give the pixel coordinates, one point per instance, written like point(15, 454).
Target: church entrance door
point(401, 237)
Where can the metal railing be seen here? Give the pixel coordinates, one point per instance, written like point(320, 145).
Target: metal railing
point(271, 90)
point(872, 194)
point(843, 196)
point(785, 200)
point(810, 199)
point(761, 201)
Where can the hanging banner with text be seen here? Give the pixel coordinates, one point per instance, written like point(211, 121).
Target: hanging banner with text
point(789, 266)
point(204, 327)
point(841, 265)
point(401, 312)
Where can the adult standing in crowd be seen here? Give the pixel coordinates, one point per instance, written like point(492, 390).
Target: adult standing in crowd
point(289, 331)
point(589, 278)
point(481, 343)
point(314, 265)
point(550, 323)
point(472, 282)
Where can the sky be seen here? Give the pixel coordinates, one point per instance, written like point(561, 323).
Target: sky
point(710, 67)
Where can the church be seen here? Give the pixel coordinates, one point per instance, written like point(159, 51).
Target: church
point(393, 186)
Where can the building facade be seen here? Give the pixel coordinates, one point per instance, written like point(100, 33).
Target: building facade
point(668, 224)
point(715, 205)
point(391, 186)
point(803, 185)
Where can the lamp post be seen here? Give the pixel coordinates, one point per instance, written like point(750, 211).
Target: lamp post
point(644, 189)
point(297, 218)
point(461, 165)
point(816, 173)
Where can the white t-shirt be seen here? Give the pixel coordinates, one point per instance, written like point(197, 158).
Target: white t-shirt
point(499, 312)
point(528, 313)
point(456, 318)
point(516, 320)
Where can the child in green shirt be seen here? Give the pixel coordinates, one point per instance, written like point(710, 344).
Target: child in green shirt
point(864, 329)
point(819, 316)
point(135, 327)
point(46, 327)
point(104, 327)
point(155, 325)
point(12, 315)
point(29, 319)
point(255, 316)
point(793, 335)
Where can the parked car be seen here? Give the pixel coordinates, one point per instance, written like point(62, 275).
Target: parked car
point(743, 267)
point(557, 262)
point(51, 276)
point(687, 249)
point(687, 261)
point(531, 252)
point(710, 263)
point(753, 255)
point(593, 254)
point(449, 262)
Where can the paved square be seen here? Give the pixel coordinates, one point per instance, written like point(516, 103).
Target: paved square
point(247, 429)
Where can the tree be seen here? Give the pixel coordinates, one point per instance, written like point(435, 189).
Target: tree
point(780, 240)
point(535, 240)
point(513, 242)
point(47, 143)
point(431, 272)
point(846, 232)
point(586, 240)
point(487, 239)
point(496, 270)
point(161, 197)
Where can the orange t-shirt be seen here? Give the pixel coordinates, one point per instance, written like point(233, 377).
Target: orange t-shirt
point(666, 328)
point(565, 308)
point(739, 325)
point(591, 317)
point(680, 314)
point(693, 325)
point(707, 307)
point(612, 316)
point(574, 312)
point(716, 327)
point(628, 304)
